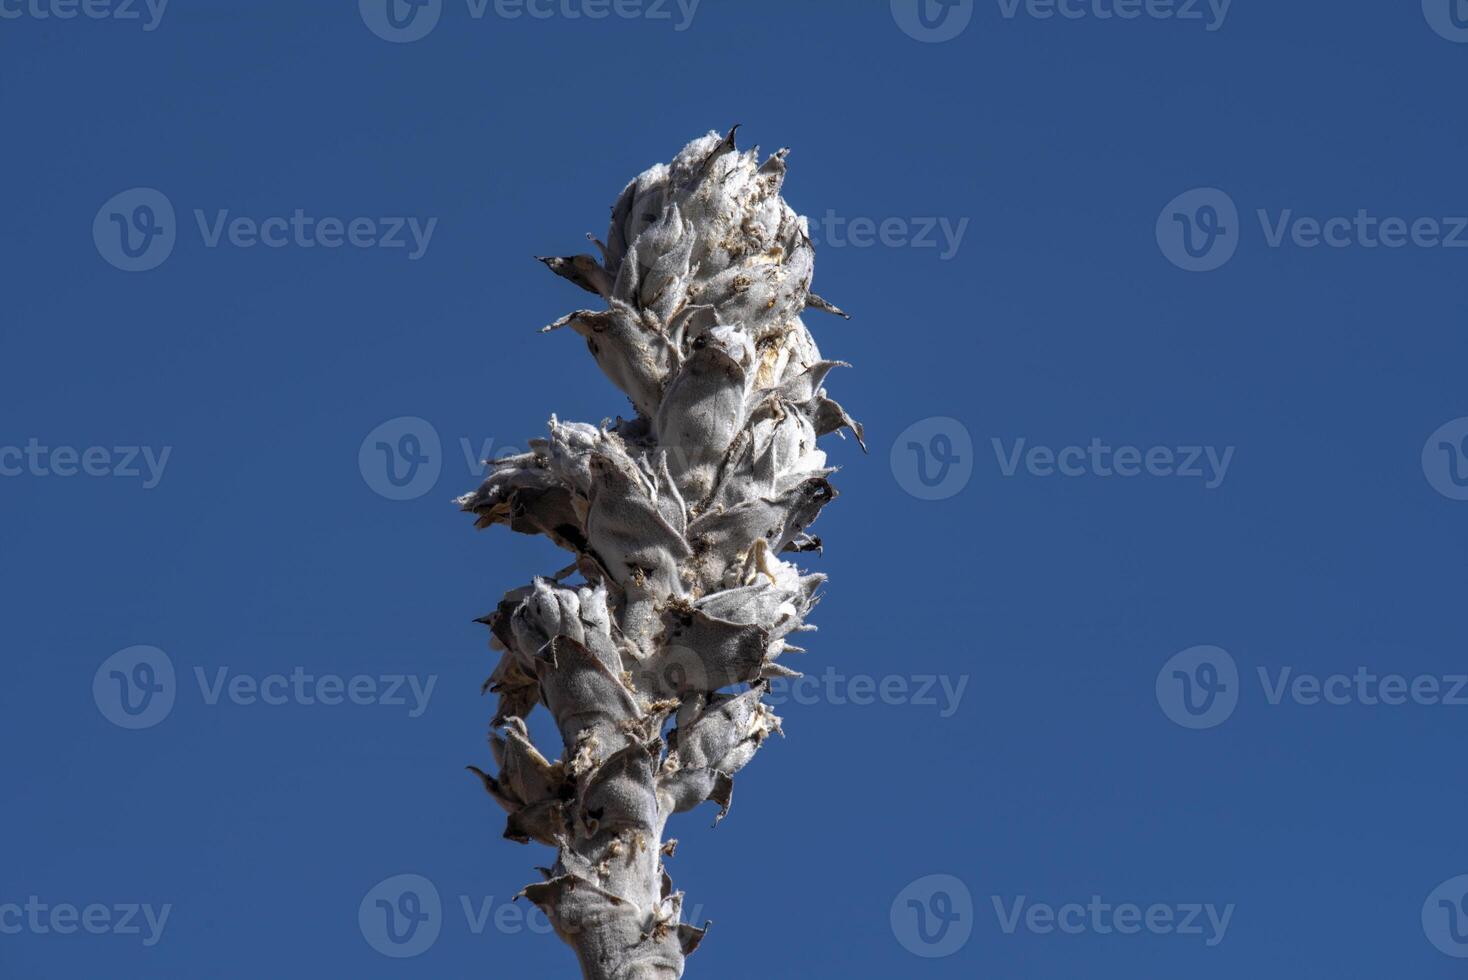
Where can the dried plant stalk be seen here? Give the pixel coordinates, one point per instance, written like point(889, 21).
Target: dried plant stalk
point(676, 518)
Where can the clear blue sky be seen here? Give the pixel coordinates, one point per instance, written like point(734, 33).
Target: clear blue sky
point(1323, 536)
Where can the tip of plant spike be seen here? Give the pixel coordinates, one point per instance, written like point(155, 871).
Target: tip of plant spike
point(814, 302)
point(725, 146)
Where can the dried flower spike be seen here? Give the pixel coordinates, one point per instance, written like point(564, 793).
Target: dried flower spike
point(676, 518)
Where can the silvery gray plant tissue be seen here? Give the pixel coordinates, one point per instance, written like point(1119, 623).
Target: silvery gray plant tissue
point(676, 518)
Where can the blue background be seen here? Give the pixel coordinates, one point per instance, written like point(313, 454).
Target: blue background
point(1059, 319)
